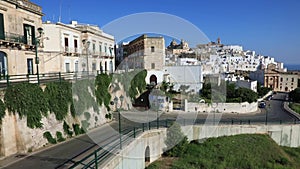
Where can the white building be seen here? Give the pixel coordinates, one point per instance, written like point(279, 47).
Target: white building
point(71, 47)
point(247, 84)
point(190, 76)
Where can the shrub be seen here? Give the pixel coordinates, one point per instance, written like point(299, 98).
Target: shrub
point(176, 141)
point(49, 137)
point(87, 115)
point(67, 129)
point(78, 130)
point(85, 124)
point(60, 137)
point(2, 110)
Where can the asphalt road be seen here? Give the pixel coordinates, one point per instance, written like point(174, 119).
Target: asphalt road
point(62, 155)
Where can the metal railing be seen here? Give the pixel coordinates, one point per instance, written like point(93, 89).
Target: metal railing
point(14, 38)
point(7, 80)
point(94, 160)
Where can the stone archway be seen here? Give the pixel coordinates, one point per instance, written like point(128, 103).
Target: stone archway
point(153, 79)
point(147, 155)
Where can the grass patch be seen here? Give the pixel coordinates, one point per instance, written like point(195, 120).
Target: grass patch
point(241, 151)
point(295, 107)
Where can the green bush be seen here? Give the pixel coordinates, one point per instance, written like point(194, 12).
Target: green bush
point(82, 89)
point(176, 142)
point(85, 125)
point(102, 83)
point(87, 115)
point(2, 110)
point(49, 137)
point(60, 137)
point(138, 84)
point(78, 130)
point(67, 129)
point(108, 116)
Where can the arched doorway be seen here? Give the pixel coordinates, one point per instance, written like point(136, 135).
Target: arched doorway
point(3, 64)
point(147, 155)
point(153, 79)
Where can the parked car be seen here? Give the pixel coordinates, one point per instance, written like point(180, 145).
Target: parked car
point(262, 104)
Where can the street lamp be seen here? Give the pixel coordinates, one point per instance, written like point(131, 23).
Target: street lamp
point(86, 43)
point(116, 99)
point(37, 43)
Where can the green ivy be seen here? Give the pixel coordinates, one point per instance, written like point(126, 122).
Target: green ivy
point(82, 89)
point(2, 110)
point(78, 130)
point(138, 84)
point(60, 137)
point(102, 84)
point(49, 137)
point(27, 100)
point(67, 130)
point(59, 96)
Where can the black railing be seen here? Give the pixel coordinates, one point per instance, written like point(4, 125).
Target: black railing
point(7, 80)
point(93, 160)
point(14, 38)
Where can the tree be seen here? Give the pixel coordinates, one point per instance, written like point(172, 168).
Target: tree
point(247, 95)
point(176, 141)
point(295, 95)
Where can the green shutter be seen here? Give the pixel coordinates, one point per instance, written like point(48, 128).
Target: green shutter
point(1, 27)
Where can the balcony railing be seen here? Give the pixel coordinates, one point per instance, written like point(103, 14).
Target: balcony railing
point(14, 38)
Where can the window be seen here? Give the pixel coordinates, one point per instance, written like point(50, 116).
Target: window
point(76, 66)
point(105, 49)
point(152, 65)
point(94, 48)
point(2, 35)
point(100, 48)
point(29, 34)
point(111, 67)
point(287, 79)
point(281, 79)
point(105, 66)
point(101, 68)
point(75, 45)
point(94, 66)
point(152, 49)
point(30, 66)
point(66, 44)
point(68, 67)
point(292, 79)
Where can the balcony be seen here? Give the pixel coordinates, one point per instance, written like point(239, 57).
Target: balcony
point(15, 40)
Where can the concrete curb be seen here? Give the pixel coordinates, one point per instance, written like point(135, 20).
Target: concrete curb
point(290, 111)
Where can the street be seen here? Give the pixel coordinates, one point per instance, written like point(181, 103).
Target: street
point(62, 155)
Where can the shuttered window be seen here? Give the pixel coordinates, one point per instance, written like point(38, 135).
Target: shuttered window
point(1, 27)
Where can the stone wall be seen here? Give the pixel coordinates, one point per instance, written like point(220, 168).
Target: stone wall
point(244, 107)
point(16, 137)
point(133, 155)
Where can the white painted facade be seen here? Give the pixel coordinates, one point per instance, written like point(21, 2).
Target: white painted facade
point(71, 46)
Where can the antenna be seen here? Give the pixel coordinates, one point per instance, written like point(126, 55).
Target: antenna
point(60, 5)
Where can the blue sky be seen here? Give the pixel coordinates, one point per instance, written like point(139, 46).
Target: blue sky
point(270, 27)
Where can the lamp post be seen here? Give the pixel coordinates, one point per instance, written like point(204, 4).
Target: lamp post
point(116, 99)
point(37, 43)
point(86, 43)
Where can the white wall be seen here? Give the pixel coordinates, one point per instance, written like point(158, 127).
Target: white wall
point(224, 107)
